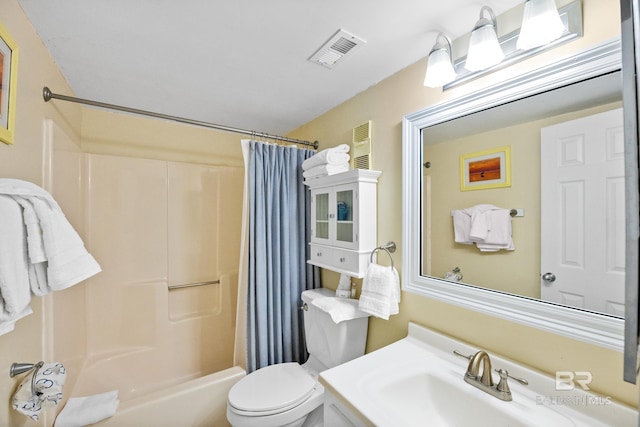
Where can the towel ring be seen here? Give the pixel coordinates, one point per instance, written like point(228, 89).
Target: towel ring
point(389, 248)
point(21, 368)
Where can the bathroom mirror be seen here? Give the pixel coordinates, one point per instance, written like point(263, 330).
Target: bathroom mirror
point(432, 134)
point(565, 182)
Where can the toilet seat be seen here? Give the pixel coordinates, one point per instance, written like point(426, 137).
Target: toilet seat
point(272, 390)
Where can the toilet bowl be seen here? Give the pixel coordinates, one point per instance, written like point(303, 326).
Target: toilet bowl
point(289, 394)
point(275, 396)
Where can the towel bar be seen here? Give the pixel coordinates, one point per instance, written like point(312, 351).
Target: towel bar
point(192, 285)
point(21, 368)
point(389, 248)
point(515, 212)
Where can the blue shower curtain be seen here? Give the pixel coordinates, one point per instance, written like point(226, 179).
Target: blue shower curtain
point(279, 232)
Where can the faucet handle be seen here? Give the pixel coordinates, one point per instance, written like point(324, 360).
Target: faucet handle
point(504, 375)
point(457, 353)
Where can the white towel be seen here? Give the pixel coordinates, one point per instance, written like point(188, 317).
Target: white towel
point(499, 234)
point(461, 227)
point(340, 309)
point(380, 291)
point(48, 390)
point(331, 156)
point(82, 411)
point(67, 260)
point(325, 170)
point(488, 226)
point(15, 297)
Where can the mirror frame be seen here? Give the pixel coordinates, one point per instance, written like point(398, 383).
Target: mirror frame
point(594, 328)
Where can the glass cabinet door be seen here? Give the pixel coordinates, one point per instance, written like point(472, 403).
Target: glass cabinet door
point(344, 215)
point(322, 216)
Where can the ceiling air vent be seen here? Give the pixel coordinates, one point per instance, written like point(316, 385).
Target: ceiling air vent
point(336, 48)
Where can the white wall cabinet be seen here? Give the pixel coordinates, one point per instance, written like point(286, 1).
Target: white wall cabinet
point(343, 220)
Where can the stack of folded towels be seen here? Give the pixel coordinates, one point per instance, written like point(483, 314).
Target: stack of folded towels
point(327, 162)
point(486, 226)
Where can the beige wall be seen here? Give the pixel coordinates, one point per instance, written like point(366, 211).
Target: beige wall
point(385, 104)
point(24, 160)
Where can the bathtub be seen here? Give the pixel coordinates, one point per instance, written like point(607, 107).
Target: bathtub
point(171, 367)
point(199, 402)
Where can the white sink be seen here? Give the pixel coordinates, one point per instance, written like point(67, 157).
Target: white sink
point(419, 381)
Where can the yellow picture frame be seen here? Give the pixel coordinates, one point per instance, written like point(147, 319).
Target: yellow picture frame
point(486, 169)
point(8, 85)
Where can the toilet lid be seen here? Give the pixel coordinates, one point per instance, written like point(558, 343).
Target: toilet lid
point(272, 389)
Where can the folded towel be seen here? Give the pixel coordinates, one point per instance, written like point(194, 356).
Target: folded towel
point(340, 309)
point(498, 233)
point(51, 239)
point(331, 156)
point(488, 226)
point(15, 298)
point(324, 170)
point(380, 291)
point(48, 390)
point(82, 411)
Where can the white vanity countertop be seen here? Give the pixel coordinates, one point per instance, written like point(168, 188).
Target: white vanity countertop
point(419, 380)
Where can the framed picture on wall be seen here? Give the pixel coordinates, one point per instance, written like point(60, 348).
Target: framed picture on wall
point(8, 85)
point(486, 169)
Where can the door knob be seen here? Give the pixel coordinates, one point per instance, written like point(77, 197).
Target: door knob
point(549, 277)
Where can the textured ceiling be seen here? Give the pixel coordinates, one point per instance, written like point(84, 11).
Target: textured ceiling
point(238, 63)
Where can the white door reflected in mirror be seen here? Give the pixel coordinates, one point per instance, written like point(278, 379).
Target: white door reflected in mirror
point(582, 213)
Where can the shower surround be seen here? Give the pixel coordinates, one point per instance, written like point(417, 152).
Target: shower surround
point(154, 226)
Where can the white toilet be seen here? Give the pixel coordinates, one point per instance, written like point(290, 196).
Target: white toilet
point(289, 394)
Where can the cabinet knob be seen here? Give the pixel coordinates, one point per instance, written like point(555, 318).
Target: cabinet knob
point(319, 254)
point(342, 259)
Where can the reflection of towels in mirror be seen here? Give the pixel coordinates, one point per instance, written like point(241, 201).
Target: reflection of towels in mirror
point(488, 226)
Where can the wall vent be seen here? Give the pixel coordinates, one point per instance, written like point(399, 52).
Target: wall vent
point(336, 48)
point(361, 153)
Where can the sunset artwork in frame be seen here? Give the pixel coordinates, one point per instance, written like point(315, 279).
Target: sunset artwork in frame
point(486, 169)
point(8, 85)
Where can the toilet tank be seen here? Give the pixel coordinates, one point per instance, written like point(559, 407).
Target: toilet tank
point(332, 344)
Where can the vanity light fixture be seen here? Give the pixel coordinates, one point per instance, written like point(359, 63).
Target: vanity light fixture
point(541, 24)
point(484, 47)
point(440, 69)
point(564, 25)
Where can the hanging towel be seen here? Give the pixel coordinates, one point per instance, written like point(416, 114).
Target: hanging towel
point(82, 411)
point(15, 298)
point(340, 309)
point(331, 156)
point(488, 226)
point(380, 291)
point(67, 260)
point(48, 390)
point(325, 170)
point(461, 227)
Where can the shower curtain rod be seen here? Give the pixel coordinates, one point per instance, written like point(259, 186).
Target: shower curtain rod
point(48, 95)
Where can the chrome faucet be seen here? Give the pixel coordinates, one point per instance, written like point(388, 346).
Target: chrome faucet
point(473, 370)
point(479, 375)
